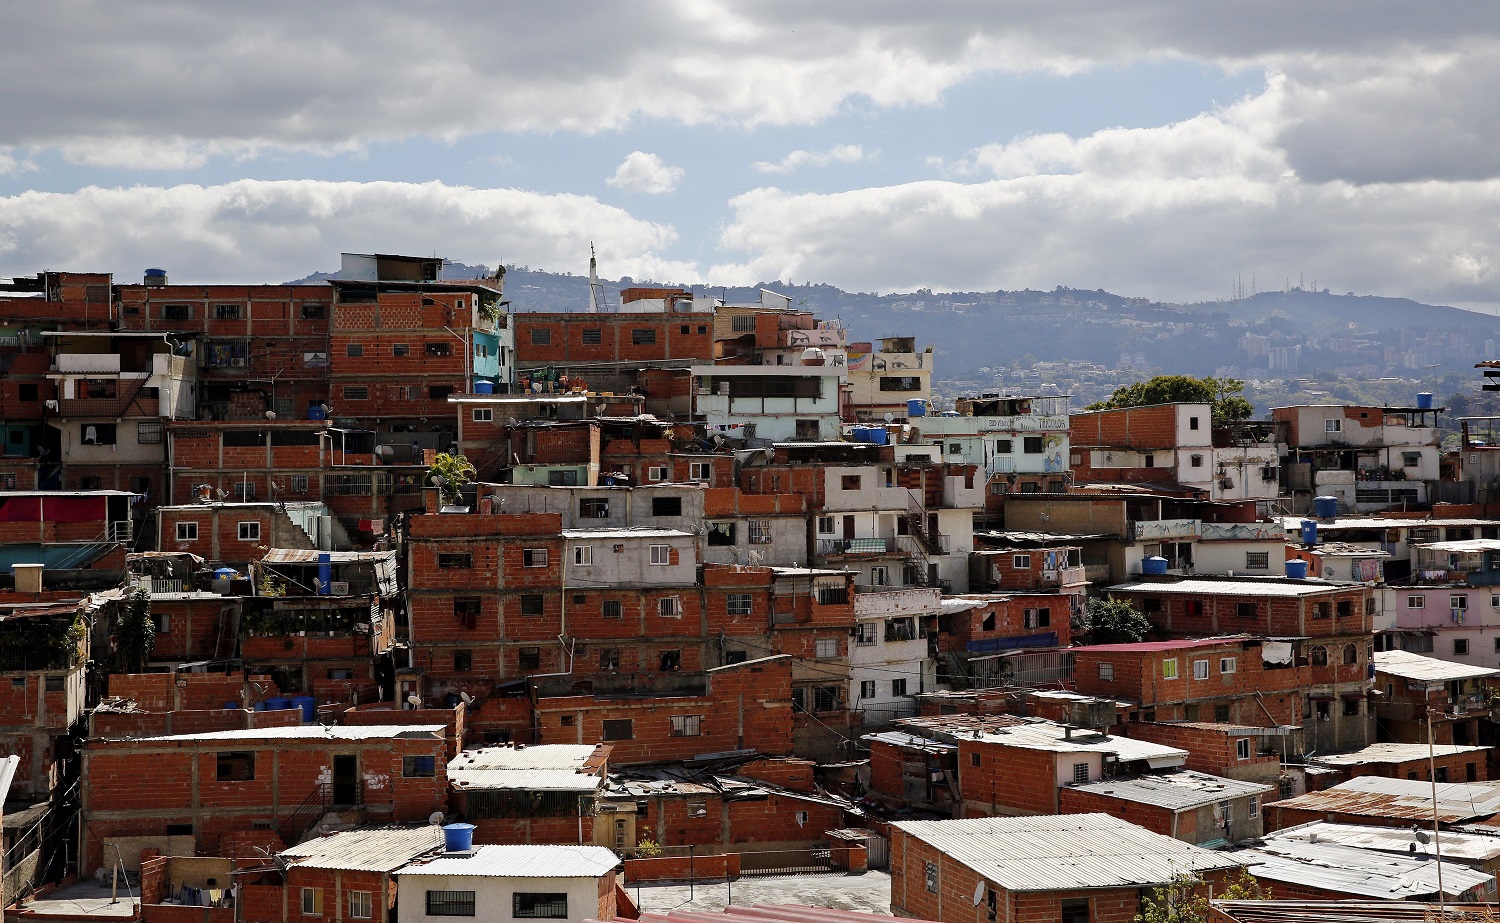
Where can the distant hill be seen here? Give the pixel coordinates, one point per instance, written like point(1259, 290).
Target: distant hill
point(1362, 335)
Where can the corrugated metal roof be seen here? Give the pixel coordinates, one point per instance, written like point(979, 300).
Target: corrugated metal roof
point(542, 756)
point(523, 862)
point(8, 766)
point(910, 741)
point(1065, 852)
point(1294, 523)
point(1358, 872)
point(1270, 586)
point(1408, 799)
point(1175, 791)
point(1034, 734)
point(533, 780)
point(1482, 844)
point(315, 732)
point(1463, 547)
point(383, 849)
point(384, 562)
point(1391, 753)
point(1407, 665)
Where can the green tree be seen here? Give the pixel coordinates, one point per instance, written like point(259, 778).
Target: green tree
point(134, 634)
point(1185, 900)
point(449, 473)
point(1225, 395)
point(1112, 621)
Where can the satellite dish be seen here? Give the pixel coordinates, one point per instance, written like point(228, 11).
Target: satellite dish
point(222, 493)
point(889, 416)
point(466, 698)
point(435, 818)
point(414, 700)
point(978, 893)
point(270, 414)
point(1421, 835)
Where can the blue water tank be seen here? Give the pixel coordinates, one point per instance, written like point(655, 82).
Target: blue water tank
point(458, 837)
point(1326, 507)
point(325, 573)
point(1424, 401)
point(1309, 531)
point(916, 408)
point(231, 706)
point(484, 387)
point(876, 435)
point(1296, 569)
point(277, 703)
point(860, 434)
point(1154, 565)
point(309, 706)
point(316, 412)
point(225, 572)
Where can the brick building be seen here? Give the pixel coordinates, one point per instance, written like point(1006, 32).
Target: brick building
point(1454, 763)
point(1455, 698)
point(1063, 869)
point(1185, 805)
point(1235, 751)
point(43, 652)
point(344, 875)
point(536, 794)
point(1382, 802)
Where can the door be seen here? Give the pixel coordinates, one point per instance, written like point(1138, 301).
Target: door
point(346, 779)
point(848, 528)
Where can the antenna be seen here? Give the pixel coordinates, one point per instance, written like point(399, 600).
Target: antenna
point(414, 700)
point(466, 698)
point(593, 281)
point(978, 893)
point(435, 818)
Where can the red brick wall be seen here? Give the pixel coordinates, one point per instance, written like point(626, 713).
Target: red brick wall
point(1155, 819)
point(677, 336)
point(1008, 780)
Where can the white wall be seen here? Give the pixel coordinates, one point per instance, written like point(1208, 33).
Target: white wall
point(492, 895)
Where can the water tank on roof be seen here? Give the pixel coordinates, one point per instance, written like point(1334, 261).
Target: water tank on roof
point(1309, 531)
point(1424, 401)
point(1154, 565)
point(458, 837)
point(484, 387)
point(1296, 569)
point(916, 408)
point(1326, 507)
point(155, 278)
point(309, 707)
point(812, 355)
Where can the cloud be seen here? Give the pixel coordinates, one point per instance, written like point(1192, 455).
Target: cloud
point(260, 231)
point(642, 172)
point(1172, 212)
point(840, 154)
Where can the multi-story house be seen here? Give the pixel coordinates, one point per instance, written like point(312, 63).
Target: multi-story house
point(890, 657)
point(1396, 535)
point(1370, 458)
point(1450, 605)
point(1019, 444)
point(44, 649)
point(770, 404)
point(1453, 702)
point(887, 381)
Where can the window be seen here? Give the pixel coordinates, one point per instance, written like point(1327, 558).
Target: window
point(864, 633)
point(1257, 560)
point(656, 473)
point(593, 508)
point(898, 687)
point(593, 336)
point(1003, 446)
point(1075, 910)
point(530, 658)
point(97, 434)
point(312, 311)
point(483, 415)
point(454, 560)
point(312, 902)
point(1169, 668)
point(1245, 610)
point(999, 489)
point(463, 661)
point(671, 661)
point(1020, 561)
point(236, 766)
point(1036, 618)
point(642, 336)
point(698, 807)
point(666, 506)
point(669, 607)
point(541, 337)
point(609, 658)
point(739, 604)
point(1031, 445)
point(1080, 773)
point(1192, 422)
point(611, 609)
point(1227, 664)
point(1460, 646)
point(449, 903)
point(733, 657)
point(1196, 461)
point(867, 689)
point(1106, 671)
point(466, 610)
point(825, 525)
point(687, 725)
point(619, 729)
point(955, 448)
point(701, 471)
point(1200, 669)
point(356, 393)
point(1242, 748)
point(187, 531)
point(826, 698)
point(1333, 426)
point(438, 350)
point(827, 647)
point(400, 349)
point(1351, 708)
point(742, 323)
point(1458, 602)
point(661, 555)
point(533, 557)
point(1416, 602)
point(532, 604)
point(354, 350)
point(1252, 806)
point(249, 531)
point(760, 532)
point(931, 877)
point(565, 478)
point(1319, 655)
point(148, 433)
point(359, 905)
point(176, 312)
point(418, 767)
point(849, 482)
point(161, 620)
point(583, 555)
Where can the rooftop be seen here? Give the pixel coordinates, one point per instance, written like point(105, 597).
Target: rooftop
point(1065, 852)
point(1404, 799)
point(1471, 546)
point(1428, 669)
point(383, 849)
point(1036, 734)
point(1460, 846)
point(1146, 647)
point(1176, 791)
point(1278, 911)
point(1294, 523)
point(314, 732)
point(1391, 753)
point(548, 767)
point(522, 862)
point(1358, 872)
point(625, 533)
point(1263, 586)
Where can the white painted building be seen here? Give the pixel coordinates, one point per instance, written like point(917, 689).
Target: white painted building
point(888, 658)
point(776, 403)
point(502, 884)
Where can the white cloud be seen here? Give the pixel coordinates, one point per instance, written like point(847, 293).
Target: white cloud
point(260, 231)
point(1172, 212)
point(643, 172)
point(839, 154)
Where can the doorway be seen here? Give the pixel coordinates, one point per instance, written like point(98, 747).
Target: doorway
point(345, 779)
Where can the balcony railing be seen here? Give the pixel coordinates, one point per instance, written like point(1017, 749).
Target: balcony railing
point(856, 545)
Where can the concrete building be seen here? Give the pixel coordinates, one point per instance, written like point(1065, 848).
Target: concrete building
point(772, 403)
point(1204, 810)
point(1370, 458)
point(1020, 444)
point(889, 660)
point(885, 378)
point(501, 884)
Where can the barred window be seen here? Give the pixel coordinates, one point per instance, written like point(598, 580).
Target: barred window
point(527, 905)
point(450, 903)
point(739, 604)
point(760, 531)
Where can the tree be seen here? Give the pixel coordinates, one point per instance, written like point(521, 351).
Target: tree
point(1185, 900)
point(1113, 621)
point(134, 634)
point(1225, 395)
point(449, 473)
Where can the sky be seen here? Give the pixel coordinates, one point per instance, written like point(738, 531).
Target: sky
point(1170, 149)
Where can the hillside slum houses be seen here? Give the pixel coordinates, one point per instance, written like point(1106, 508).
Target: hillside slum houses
point(290, 574)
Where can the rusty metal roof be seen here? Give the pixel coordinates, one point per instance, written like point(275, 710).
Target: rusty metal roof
point(1405, 799)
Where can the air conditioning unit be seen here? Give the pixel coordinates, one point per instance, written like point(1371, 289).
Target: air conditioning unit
point(236, 362)
point(339, 588)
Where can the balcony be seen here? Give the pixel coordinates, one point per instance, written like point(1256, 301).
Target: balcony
point(126, 405)
point(856, 546)
point(1072, 576)
point(875, 601)
point(75, 363)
